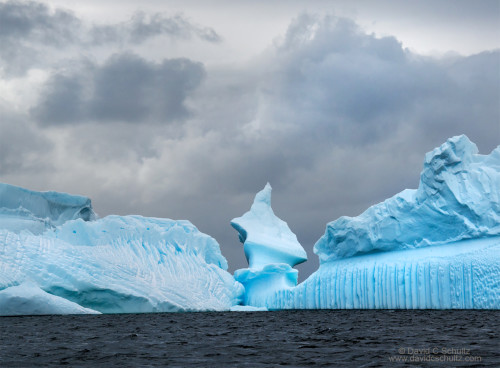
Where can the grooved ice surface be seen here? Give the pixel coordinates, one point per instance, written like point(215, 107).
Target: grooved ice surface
point(267, 239)
point(23, 209)
point(261, 284)
point(461, 275)
point(117, 264)
point(458, 198)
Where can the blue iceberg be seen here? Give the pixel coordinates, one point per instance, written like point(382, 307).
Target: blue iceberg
point(434, 247)
point(458, 198)
point(266, 238)
point(23, 209)
point(29, 299)
point(116, 264)
point(271, 249)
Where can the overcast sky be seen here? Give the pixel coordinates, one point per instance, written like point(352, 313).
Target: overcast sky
point(185, 109)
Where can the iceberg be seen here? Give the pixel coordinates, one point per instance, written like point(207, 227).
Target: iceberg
point(435, 247)
point(23, 209)
point(116, 264)
point(266, 238)
point(271, 249)
point(261, 284)
point(29, 299)
point(458, 198)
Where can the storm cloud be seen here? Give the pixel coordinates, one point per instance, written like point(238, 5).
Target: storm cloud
point(31, 31)
point(337, 83)
point(126, 88)
point(21, 145)
point(142, 27)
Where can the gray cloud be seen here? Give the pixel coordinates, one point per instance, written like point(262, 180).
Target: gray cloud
point(21, 145)
point(336, 85)
point(25, 23)
point(35, 21)
point(31, 31)
point(126, 88)
point(142, 27)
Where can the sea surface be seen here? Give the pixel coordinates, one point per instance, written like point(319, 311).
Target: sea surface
point(296, 338)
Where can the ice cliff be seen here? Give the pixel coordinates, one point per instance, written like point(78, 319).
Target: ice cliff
point(23, 209)
point(271, 249)
point(434, 247)
point(458, 198)
point(116, 264)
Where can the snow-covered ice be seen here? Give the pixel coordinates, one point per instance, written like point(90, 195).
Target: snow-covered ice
point(111, 265)
point(267, 239)
point(29, 299)
point(458, 198)
point(271, 248)
point(23, 209)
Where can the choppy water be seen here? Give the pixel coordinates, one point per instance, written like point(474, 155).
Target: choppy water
point(357, 338)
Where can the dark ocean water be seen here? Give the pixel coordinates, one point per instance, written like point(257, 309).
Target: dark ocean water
point(355, 338)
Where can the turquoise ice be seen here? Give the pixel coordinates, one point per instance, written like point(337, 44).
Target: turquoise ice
point(458, 198)
point(116, 264)
point(23, 209)
point(266, 238)
point(271, 248)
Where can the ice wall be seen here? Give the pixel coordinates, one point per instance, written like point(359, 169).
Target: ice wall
point(23, 209)
point(116, 264)
point(459, 275)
